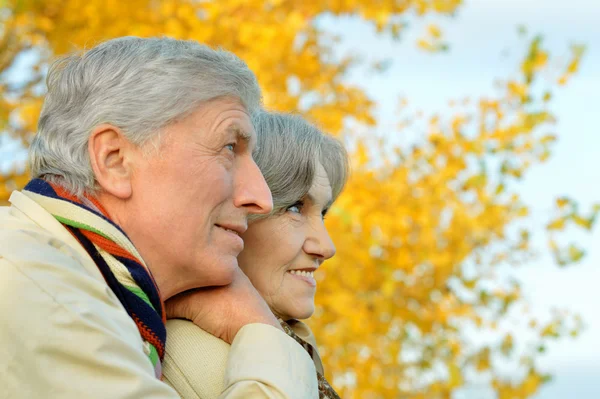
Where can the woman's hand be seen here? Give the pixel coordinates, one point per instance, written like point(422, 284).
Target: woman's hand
point(223, 311)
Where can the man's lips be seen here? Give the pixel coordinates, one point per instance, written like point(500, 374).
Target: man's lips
point(234, 228)
point(233, 231)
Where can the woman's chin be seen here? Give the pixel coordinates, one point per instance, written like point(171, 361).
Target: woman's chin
point(300, 314)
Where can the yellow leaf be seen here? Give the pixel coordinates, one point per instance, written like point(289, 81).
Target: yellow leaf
point(557, 224)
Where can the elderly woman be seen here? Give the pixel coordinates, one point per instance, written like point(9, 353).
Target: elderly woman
point(306, 171)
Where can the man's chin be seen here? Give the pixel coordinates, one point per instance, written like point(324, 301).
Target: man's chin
point(223, 273)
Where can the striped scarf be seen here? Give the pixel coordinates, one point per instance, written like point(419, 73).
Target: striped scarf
point(119, 262)
point(326, 391)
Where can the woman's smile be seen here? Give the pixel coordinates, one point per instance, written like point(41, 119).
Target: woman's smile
point(306, 276)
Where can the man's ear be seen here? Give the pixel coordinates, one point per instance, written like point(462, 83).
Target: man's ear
point(112, 158)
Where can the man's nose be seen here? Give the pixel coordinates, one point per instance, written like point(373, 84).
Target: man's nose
point(252, 192)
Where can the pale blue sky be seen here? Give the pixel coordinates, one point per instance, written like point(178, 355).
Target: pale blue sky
point(479, 35)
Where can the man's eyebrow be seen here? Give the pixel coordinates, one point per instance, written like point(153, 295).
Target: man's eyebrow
point(240, 134)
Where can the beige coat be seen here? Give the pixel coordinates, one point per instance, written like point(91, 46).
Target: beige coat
point(195, 361)
point(64, 334)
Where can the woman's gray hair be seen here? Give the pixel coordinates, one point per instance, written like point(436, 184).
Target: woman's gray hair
point(138, 85)
point(288, 151)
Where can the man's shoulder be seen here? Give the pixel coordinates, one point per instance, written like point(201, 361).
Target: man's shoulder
point(34, 263)
point(4, 212)
point(47, 295)
point(23, 241)
point(33, 249)
point(62, 324)
point(44, 266)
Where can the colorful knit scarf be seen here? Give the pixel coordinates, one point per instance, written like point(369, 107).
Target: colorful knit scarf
point(326, 391)
point(119, 262)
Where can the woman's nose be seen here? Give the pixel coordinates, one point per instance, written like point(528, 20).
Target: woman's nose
point(319, 242)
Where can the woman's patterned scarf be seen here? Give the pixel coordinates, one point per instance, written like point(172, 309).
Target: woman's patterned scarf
point(119, 262)
point(325, 390)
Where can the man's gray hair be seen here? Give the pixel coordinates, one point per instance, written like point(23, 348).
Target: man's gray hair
point(138, 85)
point(288, 151)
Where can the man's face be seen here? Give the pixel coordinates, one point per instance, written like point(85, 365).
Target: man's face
point(192, 197)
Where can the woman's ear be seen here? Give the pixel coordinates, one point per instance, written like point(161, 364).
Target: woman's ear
point(112, 158)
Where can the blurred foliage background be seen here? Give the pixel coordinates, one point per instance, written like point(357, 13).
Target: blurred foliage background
point(420, 230)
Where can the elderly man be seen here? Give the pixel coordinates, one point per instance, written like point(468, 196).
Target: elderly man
point(143, 180)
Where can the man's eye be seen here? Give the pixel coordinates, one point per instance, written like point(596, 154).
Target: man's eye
point(230, 146)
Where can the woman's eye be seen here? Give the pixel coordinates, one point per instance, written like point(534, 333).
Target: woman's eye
point(295, 208)
point(230, 146)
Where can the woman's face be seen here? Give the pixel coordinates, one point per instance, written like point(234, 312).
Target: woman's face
point(282, 252)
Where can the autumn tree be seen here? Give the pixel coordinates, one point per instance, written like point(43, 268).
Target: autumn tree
point(420, 230)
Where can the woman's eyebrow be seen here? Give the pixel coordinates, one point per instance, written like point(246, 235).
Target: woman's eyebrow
point(312, 199)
